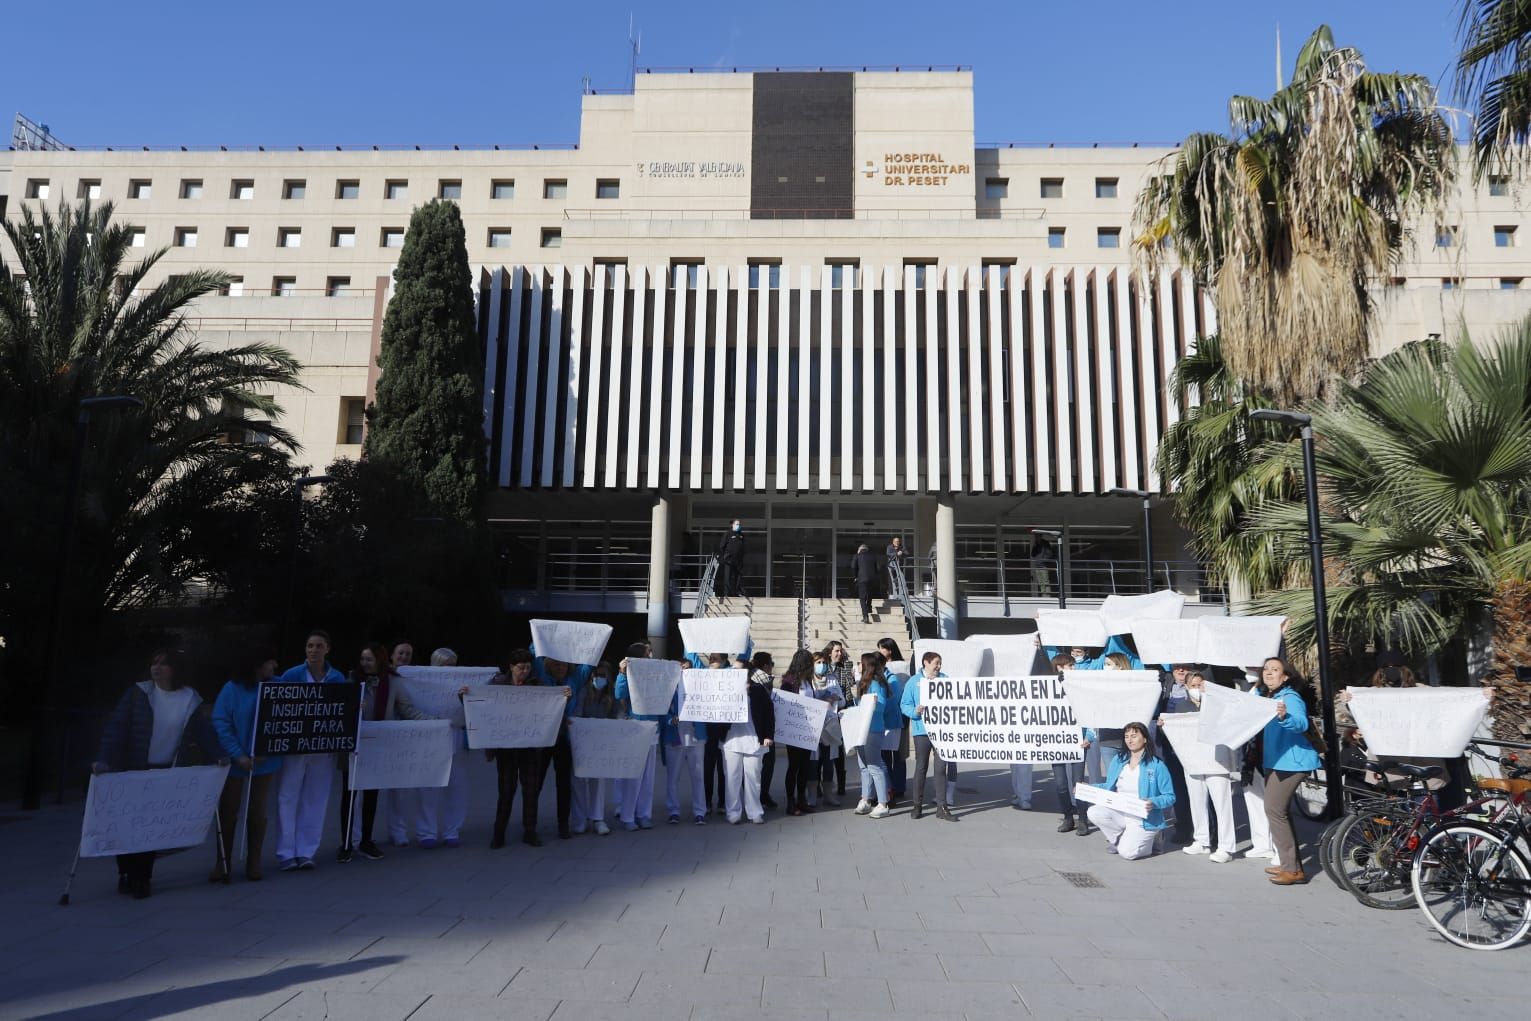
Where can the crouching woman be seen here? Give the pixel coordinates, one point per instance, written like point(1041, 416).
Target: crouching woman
point(1135, 772)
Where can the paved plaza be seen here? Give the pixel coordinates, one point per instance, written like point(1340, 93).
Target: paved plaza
point(830, 916)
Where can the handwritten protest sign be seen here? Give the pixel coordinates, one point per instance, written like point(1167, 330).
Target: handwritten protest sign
point(1197, 757)
point(305, 719)
point(1120, 614)
point(401, 754)
point(651, 684)
point(714, 696)
point(1005, 656)
point(799, 719)
point(1418, 722)
point(1231, 717)
point(572, 641)
point(433, 689)
point(1112, 698)
point(1068, 629)
point(150, 809)
point(958, 659)
point(706, 635)
point(1238, 641)
point(856, 724)
point(611, 749)
point(1000, 719)
point(514, 715)
point(1167, 641)
point(1127, 804)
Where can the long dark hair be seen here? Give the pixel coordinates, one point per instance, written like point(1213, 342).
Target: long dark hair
point(872, 666)
point(380, 656)
point(889, 648)
point(1148, 743)
point(801, 667)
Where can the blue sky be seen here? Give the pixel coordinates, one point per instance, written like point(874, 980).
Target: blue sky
point(323, 73)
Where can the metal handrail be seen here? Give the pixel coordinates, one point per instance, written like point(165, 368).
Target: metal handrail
point(899, 589)
point(704, 591)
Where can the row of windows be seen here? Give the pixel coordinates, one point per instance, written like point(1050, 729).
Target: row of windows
point(243, 189)
point(1505, 236)
point(340, 237)
point(995, 188)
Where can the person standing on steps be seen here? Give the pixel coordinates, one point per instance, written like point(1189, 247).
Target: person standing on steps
point(864, 574)
point(895, 555)
point(731, 560)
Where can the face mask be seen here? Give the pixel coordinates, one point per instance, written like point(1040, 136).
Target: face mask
point(738, 528)
point(821, 669)
point(1194, 694)
point(599, 682)
point(1078, 657)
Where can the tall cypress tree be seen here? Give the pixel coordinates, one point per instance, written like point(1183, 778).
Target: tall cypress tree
point(427, 425)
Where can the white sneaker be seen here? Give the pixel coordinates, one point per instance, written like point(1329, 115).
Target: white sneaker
point(1268, 854)
point(881, 812)
point(602, 830)
point(863, 806)
point(1194, 849)
point(577, 830)
point(1221, 857)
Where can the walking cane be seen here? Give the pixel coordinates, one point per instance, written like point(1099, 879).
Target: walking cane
point(63, 900)
point(223, 854)
point(242, 824)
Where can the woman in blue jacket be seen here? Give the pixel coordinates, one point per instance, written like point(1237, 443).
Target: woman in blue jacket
point(1286, 756)
point(234, 723)
point(913, 705)
point(1135, 772)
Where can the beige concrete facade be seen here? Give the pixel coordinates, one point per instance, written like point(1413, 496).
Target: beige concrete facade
point(660, 176)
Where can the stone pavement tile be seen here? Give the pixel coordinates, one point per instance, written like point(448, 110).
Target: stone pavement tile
point(1059, 1000)
point(1188, 1002)
point(566, 911)
point(543, 982)
point(826, 993)
point(788, 938)
point(766, 962)
point(84, 940)
point(181, 917)
point(419, 926)
point(1375, 1007)
point(445, 952)
point(989, 921)
point(1001, 968)
point(804, 918)
point(1088, 969)
point(483, 1008)
point(413, 978)
point(879, 917)
point(678, 961)
point(836, 900)
point(738, 1012)
point(515, 953)
point(308, 946)
point(976, 999)
point(658, 988)
point(880, 964)
point(736, 935)
point(245, 1000)
point(320, 1006)
point(905, 941)
point(476, 907)
point(738, 900)
point(639, 932)
point(535, 929)
point(304, 919)
point(929, 904)
point(1060, 945)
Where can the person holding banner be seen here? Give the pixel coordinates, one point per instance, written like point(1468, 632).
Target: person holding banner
point(249, 780)
point(1176, 699)
point(303, 784)
point(597, 699)
point(824, 687)
point(684, 743)
point(799, 676)
point(1134, 771)
point(924, 751)
point(560, 757)
point(1286, 757)
point(155, 725)
point(1200, 786)
point(444, 810)
point(712, 754)
point(515, 766)
point(401, 806)
point(874, 775)
point(380, 693)
point(1067, 774)
point(635, 796)
point(746, 745)
point(895, 749)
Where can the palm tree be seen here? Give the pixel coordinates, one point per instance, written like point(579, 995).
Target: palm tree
point(73, 324)
point(1288, 216)
point(1426, 499)
point(1494, 76)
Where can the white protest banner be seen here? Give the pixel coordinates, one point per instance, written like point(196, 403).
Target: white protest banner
point(1231, 717)
point(1167, 641)
point(651, 684)
point(1005, 655)
point(1068, 629)
point(1120, 614)
point(856, 724)
point(514, 715)
point(1197, 757)
point(799, 719)
point(1112, 698)
point(150, 809)
point(611, 749)
point(1238, 641)
point(433, 689)
point(1127, 804)
point(958, 659)
point(1000, 719)
point(1418, 722)
point(706, 635)
point(572, 641)
point(402, 754)
point(714, 696)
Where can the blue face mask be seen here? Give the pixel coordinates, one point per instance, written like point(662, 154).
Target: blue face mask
point(598, 682)
point(738, 528)
point(821, 669)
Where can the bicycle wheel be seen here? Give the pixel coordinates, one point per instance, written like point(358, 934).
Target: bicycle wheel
point(1325, 852)
point(1473, 885)
point(1312, 796)
point(1373, 854)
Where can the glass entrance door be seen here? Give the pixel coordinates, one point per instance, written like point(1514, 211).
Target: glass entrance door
point(800, 561)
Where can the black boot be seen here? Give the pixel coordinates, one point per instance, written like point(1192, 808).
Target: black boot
point(917, 811)
point(497, 841)
point(944, 814)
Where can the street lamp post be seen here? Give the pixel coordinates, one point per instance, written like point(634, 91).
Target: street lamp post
point(32, 790)
point(1148, 533)
point(1304, 424)
point(297, 542)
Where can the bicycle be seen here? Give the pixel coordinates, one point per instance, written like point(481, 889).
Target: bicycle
point(1473, 879)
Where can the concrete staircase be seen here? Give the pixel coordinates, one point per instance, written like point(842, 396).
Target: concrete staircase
point(773, 623)
point(840, 620)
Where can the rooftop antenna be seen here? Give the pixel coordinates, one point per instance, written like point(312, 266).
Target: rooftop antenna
point(1279, 83)
point(635, 42)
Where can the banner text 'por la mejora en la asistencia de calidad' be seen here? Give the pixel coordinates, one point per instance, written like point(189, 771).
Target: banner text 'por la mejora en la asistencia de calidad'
point(1001, 719)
